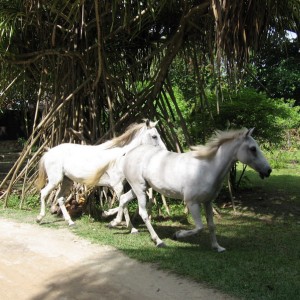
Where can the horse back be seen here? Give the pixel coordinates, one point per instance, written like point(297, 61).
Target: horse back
point(166, 172)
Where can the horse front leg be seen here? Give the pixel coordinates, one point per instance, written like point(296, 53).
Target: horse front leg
point(128, 221)
point(113, 211)
point(144, 215)
point(211, 226)
point(124, 200)
point(194, 209)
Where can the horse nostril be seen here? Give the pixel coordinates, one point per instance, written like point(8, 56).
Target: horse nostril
point(269, 172)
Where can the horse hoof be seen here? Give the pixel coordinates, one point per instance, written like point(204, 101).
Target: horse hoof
point(174, 237)
point(134, 231)
point(161, 245)
point(38, 219)
point(72, 225)
point(105, 214)
point(221, 249)
point(110, 226)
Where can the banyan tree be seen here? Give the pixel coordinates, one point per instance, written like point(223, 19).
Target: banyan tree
point(84, 70)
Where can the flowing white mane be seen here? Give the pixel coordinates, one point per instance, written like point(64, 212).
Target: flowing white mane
point(126, 137)
point(213, 144)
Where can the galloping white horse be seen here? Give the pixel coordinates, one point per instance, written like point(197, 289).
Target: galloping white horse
point(195, 176)
point(68, 162)
point(114, 177)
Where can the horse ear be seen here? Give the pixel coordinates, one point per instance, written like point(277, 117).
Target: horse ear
point(147, 121)
point(153, 124)
point(150, 124)
point(249, 132)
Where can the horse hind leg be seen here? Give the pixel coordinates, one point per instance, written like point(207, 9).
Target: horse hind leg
point(44, 194)
point(64, 189)
point(110, 212)
point(118, 188)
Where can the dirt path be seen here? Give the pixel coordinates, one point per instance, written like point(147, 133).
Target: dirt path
point(41, 263)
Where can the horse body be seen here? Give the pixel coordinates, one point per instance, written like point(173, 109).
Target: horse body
point(196, 176)
point(77, 162)
point(113, 177)
point(86, 164)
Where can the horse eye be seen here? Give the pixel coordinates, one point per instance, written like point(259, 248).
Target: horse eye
point(253, 149)
point(154, 137)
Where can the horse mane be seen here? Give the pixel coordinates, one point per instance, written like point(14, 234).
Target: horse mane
point(126, 137)
point(213, 144)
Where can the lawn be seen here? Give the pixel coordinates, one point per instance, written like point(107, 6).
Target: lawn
point(262, 238)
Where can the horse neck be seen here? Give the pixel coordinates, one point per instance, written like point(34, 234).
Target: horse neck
point(136, 141)
point(225, 157)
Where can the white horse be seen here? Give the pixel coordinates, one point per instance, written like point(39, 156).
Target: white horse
point(195, 176)
point(114, 177)
point(84, 164)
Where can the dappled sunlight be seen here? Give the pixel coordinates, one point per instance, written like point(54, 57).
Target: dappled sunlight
point(254, 250)
point(277, 197)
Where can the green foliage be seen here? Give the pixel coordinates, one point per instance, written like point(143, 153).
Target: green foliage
point(11, 14)
point(248, 108)
point(283, 158)
point(32, 202)
point(14, 201)
point(276, 68)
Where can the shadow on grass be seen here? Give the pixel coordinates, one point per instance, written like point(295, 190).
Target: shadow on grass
point(277, 196)
point(256, 260)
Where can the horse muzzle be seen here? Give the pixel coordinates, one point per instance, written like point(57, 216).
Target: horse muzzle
point(265, 174)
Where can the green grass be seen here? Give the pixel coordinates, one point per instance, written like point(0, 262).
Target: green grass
point(262, 239)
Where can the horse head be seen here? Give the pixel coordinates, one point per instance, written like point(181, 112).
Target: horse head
point(151, 136)
point(249, 153)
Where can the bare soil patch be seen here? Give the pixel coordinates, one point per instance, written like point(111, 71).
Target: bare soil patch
point(42, 263)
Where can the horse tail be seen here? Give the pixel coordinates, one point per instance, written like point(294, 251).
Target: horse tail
point(41, 180)
point(94, 179)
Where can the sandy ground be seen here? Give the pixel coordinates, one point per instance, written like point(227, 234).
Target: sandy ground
point(41, 263)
